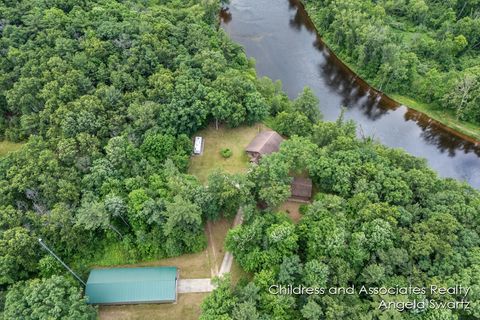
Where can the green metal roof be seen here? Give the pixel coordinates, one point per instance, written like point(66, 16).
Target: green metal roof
point(132, 285)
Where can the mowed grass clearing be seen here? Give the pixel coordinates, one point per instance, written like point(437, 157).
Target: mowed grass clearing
point(197, 265)
point(206, 263)
point(236, 139)
point(186, 308)
point(7, 146)
point(216, 234)
point(292, 209)
point(191, 266)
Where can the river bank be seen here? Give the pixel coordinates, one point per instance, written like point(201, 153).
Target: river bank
point(283, 40)
point(443, 116)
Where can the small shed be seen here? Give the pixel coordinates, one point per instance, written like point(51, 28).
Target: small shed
point(265, 142)
point(132, 285)
point(301, 189)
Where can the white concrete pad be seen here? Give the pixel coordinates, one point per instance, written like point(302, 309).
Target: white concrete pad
point(195, 285)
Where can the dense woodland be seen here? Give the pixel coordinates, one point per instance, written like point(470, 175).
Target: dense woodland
point(381, 218)
point(426, 49)
point(107, 94)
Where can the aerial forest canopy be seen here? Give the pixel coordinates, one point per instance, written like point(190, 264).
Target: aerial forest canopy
point(381, 219)
point(424, 49)
point(106, 95)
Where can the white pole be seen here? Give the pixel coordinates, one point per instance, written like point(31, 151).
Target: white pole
point(63, 263)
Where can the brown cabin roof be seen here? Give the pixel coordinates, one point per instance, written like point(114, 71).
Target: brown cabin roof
point(301, 187)
point(265, 142)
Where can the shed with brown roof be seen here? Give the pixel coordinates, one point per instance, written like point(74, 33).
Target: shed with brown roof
point(301, 189)
point(265, 142)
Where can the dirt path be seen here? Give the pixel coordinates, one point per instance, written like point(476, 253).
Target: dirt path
point(213, 249)
point(205, 285)
point(228, 258)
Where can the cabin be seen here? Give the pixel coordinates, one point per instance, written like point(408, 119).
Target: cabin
point(118, 286)
point(265, 142)
point(301, 189)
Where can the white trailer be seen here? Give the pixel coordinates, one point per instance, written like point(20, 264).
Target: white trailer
point(198, 145)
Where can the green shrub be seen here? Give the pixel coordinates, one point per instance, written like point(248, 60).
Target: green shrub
point(226, 153)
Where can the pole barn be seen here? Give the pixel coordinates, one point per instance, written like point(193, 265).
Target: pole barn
point(132, 285)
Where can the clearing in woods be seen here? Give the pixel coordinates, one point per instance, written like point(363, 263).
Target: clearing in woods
point(236, 139)
point(205, 264)
point(7, 146)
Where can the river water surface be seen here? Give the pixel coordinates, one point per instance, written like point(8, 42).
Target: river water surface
point(284, 42)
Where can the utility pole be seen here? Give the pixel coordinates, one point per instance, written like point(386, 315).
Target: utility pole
point(63, 263)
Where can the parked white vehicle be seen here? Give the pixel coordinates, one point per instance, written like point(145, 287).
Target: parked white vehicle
point(198, 145)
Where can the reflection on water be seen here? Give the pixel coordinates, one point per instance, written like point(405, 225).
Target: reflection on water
point(283, 40)
point(440, 137)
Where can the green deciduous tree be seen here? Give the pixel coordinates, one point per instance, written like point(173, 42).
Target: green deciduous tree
point(220, 303)
point(52, 298)
point(183, 227)
point(228, 192)
point(272, 179)
point(308, 104)
point(18, 252)
point(292, 123)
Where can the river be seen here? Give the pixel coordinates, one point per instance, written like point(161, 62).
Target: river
point(280, 36)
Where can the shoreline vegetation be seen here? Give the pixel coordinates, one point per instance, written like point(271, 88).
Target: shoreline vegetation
point(442, 115)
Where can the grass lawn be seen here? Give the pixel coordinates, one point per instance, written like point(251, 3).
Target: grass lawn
point(216, 233)
point(7, 147)
point(186, 308)
point(292, 209)
point(204, 264)
point(197, 265)
point(442, 116)
point(236, 139)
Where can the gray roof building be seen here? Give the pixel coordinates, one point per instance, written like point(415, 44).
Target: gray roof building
point(301, 189)
point(265, 142)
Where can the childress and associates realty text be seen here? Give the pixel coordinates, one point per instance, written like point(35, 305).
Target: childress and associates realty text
point(458, 292)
